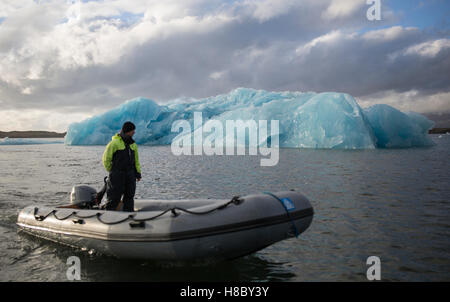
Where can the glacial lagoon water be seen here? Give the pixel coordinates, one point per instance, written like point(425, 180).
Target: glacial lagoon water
point(390, 203)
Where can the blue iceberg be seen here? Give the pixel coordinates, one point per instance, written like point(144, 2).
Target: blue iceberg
point(306, 120)
point(99, 129)
point(395, 129)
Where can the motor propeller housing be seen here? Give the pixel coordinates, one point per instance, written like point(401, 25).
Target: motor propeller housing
point(82, 195)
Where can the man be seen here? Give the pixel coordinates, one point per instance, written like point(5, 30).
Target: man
point(121, 160)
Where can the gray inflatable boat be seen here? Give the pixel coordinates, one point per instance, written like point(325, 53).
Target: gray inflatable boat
point(176, 231)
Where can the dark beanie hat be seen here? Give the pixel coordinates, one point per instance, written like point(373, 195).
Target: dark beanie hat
point(127, 127)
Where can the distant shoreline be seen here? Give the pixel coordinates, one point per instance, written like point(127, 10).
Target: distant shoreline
point(50, 134)
point(31, 134)
point(439, 130)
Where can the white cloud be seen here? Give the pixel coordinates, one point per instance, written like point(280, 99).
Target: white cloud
point(34, 119)
point(333, 36)
point(388, 34)
point(9, 6)
point(89, 41)
point(342, 8)
point(428, 49)
point(264, 10)
point(217, 74)
point(411, 100)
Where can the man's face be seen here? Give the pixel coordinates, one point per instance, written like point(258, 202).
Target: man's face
point(131, 133)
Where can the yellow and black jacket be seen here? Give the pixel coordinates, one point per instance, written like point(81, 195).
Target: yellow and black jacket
point(121, 157)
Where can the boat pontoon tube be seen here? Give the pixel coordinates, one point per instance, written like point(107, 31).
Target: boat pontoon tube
point(195, 230)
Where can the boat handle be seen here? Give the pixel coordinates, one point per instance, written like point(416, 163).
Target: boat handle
point(79, 221)
point(39, 217)
point(137, 224)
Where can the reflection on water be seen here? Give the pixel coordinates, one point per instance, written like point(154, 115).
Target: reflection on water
point(105, 268)
point(389, 203)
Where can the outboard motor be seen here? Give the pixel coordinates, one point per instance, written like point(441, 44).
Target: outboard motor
point(83, 196)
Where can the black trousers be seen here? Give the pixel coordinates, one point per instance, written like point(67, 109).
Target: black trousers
point(121, 183)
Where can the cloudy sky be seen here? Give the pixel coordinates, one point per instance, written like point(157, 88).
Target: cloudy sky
point(64, 60)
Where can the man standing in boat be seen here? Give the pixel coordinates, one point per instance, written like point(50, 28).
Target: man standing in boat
point(121, 160)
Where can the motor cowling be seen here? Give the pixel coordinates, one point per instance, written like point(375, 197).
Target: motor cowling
point(82, 195)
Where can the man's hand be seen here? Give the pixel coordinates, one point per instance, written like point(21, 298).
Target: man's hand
point(138, 179)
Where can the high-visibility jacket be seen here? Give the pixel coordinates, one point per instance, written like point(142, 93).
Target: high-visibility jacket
point(119, 156)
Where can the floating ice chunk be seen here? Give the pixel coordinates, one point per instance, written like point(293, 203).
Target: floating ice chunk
point(306, 120)
point(98, 130)
point(395, 129)
point(328, 120)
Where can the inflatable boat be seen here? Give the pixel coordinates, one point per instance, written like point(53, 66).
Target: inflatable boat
point(183, 231)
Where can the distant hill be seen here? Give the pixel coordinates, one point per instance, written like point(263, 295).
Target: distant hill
point(441, 120)
point(439, 131)
point(30, 134)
